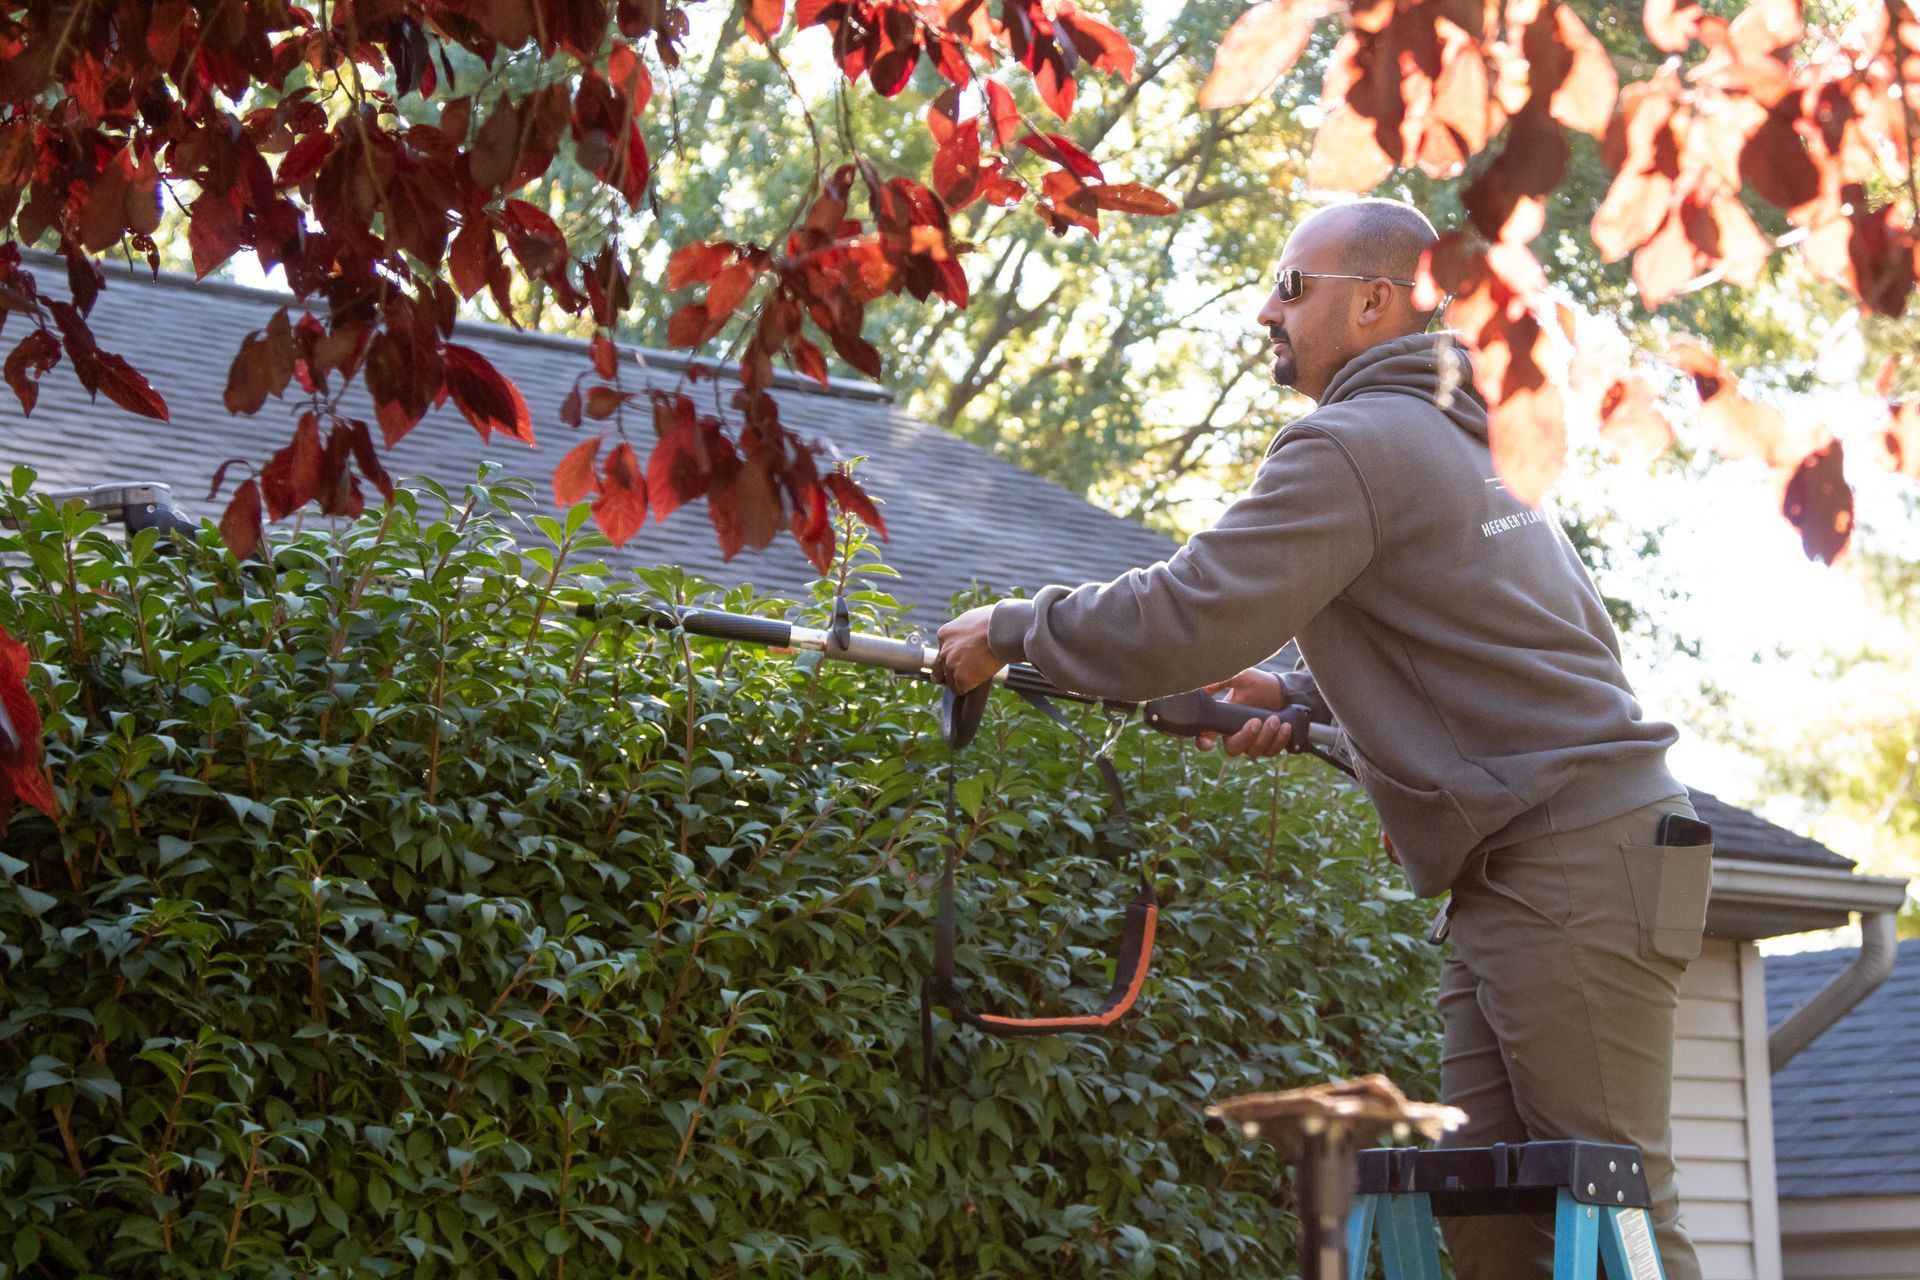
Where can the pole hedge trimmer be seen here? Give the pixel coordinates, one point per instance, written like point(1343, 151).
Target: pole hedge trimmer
point(1184, 714)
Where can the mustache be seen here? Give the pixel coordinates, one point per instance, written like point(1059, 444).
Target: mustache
point(1279, 335)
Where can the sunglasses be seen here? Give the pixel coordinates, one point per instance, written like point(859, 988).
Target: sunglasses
point(1291, 281)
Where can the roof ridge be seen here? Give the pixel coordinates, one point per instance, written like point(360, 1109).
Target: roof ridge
point(836, 389)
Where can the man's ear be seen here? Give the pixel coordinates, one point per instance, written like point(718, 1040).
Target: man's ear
point(1378, 303)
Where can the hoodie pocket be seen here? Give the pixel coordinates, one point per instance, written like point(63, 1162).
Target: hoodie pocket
point(1428, 827)
point(1670, 886)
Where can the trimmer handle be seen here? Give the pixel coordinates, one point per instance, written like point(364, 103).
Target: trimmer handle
point(1190, 714)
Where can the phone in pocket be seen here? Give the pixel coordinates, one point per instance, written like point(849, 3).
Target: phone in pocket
point(1680, 831)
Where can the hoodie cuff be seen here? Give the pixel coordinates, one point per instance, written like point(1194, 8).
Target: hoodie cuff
point(1007, 629)
point(1299, 687)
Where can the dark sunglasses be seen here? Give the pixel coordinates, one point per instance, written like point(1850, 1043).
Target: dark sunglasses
point(1291, 281)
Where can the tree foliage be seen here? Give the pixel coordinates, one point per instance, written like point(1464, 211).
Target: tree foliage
point(397, 160)
point(394, 917)
point(383, 221)
point(1814, 120)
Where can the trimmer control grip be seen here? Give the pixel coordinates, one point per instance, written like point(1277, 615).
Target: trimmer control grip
point(1193, 713)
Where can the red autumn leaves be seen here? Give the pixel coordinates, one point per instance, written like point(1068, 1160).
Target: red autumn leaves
point(407, 366)
point(1815, 497)
point(831, 267)
point(1810, 123)
point(383, 220)
point(364, 209)
point(884, 40)
point(1683, 149)
point(21, 777)
point(384, 215)
point(60, 328)
point(771, 481)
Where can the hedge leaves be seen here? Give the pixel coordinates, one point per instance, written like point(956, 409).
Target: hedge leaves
point(402, 921)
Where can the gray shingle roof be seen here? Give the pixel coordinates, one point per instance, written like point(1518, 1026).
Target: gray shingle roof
point(956, 514)
point(1740, 834)
point(1846, 1111)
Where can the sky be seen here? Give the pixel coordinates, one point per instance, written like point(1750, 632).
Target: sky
point(1768, 622)
point(1757, 605)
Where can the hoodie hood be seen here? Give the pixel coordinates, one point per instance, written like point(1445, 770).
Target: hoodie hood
point(1432, 366)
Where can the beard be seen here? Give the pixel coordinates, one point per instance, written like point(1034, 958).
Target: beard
point(1286, 365)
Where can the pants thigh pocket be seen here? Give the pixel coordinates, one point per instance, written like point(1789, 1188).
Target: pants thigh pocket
point(1670, 885)
point(1530, 874)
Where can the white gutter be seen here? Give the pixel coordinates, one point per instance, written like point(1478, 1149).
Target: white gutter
point(1755, 899)
point(1849, 987)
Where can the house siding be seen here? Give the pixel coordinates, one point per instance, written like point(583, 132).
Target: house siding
point(1851, 1238)
point(1722, 1123)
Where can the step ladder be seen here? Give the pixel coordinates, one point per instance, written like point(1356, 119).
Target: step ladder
point(1598, 1195)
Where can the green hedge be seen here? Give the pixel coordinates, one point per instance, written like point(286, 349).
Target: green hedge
point(400, 921)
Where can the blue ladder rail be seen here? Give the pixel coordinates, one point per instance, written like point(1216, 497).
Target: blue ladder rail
point(1597, 1192)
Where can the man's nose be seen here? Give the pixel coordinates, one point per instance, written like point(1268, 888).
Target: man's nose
point(1269, 314)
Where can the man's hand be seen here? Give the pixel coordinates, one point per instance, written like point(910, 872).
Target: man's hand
point(1265, 737)
point(966, 660)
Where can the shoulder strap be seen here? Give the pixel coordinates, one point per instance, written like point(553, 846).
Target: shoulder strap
point(1131, 962)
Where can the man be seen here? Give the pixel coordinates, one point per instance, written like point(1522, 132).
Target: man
point(1453, 635)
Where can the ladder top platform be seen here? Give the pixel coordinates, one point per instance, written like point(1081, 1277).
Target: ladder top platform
point(1506, 1177)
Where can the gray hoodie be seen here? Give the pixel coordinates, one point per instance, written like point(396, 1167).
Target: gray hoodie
point(1448, 629)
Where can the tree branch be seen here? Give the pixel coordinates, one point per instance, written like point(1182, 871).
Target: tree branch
point(1007, 318)
point(1183, 461)
point(1217, 195)
point(1903, 789)
point(1129, 98)
point(1007, 321)
point(717, 63)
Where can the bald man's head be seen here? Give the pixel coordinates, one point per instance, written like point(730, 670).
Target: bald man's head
point(1381, 237)
point(1350, 255)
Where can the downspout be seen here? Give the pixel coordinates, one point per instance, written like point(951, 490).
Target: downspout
point(1878, 937)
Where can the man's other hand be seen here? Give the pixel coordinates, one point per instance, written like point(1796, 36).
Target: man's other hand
point(966, 659)
point(1267, 736)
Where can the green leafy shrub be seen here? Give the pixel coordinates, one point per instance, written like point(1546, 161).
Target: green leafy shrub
point(401, 920)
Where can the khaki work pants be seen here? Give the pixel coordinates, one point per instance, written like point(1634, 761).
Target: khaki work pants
point(1557, 1000)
